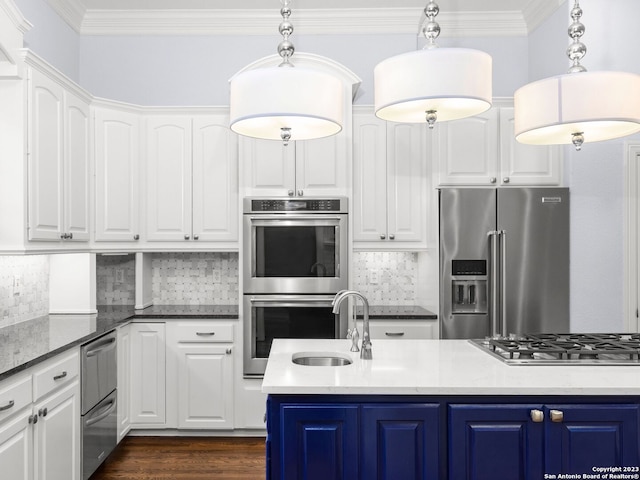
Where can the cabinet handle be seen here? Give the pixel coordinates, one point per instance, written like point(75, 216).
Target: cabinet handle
point(229, 351)
point(187, 237)
point(505, 180)
point(64, 236)
point(290, 193)
point(300, 193)
point(7, 406)
point(392, 237)
point(382, 236)
point(62, 375)
point(136, 237)
point(537, 416)
point(33, 419)
point(394, 334)
point(196, 237)
point(70, 237)
point(557, 416)
point(43, 412)
point(205, 334)
point(492, 180)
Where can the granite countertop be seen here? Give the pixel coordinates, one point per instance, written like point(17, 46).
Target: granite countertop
point(397, 312)
point(434, 367)
point(25, 344)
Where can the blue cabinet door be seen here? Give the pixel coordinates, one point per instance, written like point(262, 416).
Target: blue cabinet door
point(400, 441)
point(494, 442)
point(318, 442)
point(581, 437)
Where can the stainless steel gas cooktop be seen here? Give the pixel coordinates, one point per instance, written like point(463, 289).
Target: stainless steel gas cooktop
point(565, 349)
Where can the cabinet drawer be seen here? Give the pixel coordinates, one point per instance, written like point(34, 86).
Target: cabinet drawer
point(399, 330)
point(55, 373)
point(201, 332)
point(15, 394)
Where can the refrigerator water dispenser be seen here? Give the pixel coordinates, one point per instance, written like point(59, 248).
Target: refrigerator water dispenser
point(469, 286)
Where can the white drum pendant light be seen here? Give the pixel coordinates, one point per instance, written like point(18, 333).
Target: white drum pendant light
point(579, 106)
point(286, 102)
point(433, 84)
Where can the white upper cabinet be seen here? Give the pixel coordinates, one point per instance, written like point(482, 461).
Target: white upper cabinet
point(482, 150)
point(191, 180)
point(390, 194)
point(58, 153)
point(117, 155)
point(305, 168)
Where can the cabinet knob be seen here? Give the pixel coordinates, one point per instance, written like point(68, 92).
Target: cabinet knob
point(64, 236)
point(383, 236)
point(43, 412)
point(33, 419)
point(136, 237)
point(505, 180)
point(71, 236)
point(300, 193)
point(537, 416)
point(196, 237)
point(557, 416)
point(290, 193)
point(392, 237)
point(187, 237)
point(229, 351)
point(493, 180)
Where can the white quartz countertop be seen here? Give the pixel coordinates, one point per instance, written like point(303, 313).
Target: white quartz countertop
point(434, 367)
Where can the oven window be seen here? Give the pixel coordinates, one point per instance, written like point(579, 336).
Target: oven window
point(296, 251)
point(290, 322)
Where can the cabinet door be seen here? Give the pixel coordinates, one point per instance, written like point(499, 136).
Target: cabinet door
point(526, 164)
point(57, 436)
point(16, 447)
point(205, 386)
point(117, 156)
point(406, 183)
point(148, 400)
point(369, 178)
point(587, 436)
point(268, 167)
point(215, 180)
point(494, 442)
point(76, 167)
point(400, 441)
point(403, 329)
point(467, 150)
point(322, 166)
point(168, 172)
point(124, 381)
point(319, 442)
point(45, 158)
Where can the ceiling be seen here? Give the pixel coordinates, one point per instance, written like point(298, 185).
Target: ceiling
point(247, 17)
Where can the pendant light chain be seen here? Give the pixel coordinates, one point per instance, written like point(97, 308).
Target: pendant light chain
point(431, 29)
point(576, 52)
point(285, 47)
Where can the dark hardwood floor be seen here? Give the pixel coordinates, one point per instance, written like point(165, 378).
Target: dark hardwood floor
point(185, 458)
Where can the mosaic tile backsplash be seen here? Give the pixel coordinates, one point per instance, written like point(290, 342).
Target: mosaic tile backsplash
point(115, 279)
point(195, 278)
point(31, 298)
point(386, 278)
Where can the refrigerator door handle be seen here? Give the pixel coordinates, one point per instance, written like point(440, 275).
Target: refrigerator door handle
point(494, 282)
point(503, 281)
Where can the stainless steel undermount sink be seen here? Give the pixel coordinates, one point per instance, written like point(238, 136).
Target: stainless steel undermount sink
point(321, 359)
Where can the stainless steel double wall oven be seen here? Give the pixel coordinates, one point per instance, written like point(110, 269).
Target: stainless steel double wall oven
point(295, 260)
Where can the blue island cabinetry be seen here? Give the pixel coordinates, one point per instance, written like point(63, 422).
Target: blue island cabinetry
point(365, 437)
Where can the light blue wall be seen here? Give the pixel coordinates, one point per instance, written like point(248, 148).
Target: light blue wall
point(194, 70)
point(51, 37)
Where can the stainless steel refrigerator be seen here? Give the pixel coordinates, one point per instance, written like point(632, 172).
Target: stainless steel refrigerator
point(504, 261)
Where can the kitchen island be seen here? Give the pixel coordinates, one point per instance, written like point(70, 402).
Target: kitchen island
point(444, 409)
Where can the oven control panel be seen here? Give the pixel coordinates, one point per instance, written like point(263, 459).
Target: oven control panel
point(308, 205)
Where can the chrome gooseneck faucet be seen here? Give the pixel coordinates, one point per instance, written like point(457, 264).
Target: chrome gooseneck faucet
point(365, 352)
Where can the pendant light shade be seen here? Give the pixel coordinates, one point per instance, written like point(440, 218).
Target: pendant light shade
point(265, 101)
point(579, 106)
point(286, 102)
point(454, 82)
point(597, 105)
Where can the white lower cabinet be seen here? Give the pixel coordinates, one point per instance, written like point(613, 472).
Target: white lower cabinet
point(40, 421)
point(124, 380)
point(402, 329)
point(200, 361)
point(148, 375)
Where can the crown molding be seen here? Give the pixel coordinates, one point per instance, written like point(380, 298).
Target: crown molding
point(15, 15)
point(71, 11)
point(537, 11)
point(306, 21)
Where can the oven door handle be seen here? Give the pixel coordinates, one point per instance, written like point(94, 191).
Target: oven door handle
point(285, 220)
point(104, 413)
point(312, 301)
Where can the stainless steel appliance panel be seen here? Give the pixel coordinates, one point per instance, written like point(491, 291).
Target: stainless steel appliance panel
point(99, 370)
point(536, 284)
point(99, 434)
point(466, 216)
point(286, 316)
